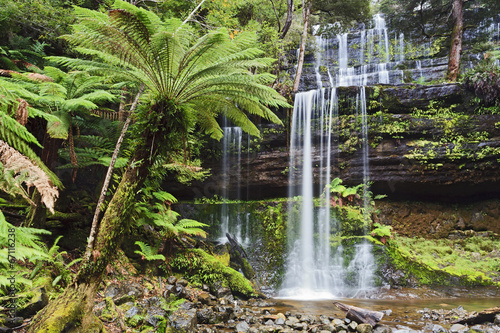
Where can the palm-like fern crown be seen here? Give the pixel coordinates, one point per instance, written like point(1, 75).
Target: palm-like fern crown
point(203, 77)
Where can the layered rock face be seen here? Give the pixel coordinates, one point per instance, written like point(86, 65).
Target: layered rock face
point(425, 142)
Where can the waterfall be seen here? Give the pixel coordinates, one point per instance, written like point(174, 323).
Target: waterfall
point(231, 219)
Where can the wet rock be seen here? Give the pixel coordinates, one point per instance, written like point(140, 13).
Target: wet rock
point(154, 315)
point(183, 321)
point(292, 321)
point(386, 312)
point(352, 326)
point(279, 321)
point(222, 292)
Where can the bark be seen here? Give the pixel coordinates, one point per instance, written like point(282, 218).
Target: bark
point(307, 12)
point(360, 315)
point(289, 19)
point(456, 40)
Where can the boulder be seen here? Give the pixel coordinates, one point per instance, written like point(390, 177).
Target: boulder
point(183, 321)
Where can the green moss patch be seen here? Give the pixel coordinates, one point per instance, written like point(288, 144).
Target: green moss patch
point(472, 261)
point(201, 267)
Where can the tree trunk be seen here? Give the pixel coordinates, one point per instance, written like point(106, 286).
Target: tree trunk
point(456, 40)
point(289, 18)
point(307, 12)
point(74, 306)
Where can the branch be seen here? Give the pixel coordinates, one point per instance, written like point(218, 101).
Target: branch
point(190, 15)
point(277, 18)
point(93, 229)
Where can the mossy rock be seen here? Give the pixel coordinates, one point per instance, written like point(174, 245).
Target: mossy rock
point(200, 267)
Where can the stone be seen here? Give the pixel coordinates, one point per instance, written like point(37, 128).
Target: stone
point(458, 328)
point(279, 321)
point(171, 280)
point(242, 327)
point(222, 292)
point(497, 319)
point(37, 302)
point(364, 328)
point(352, 326)
point(154, 315)
point(292, 321)
point(206, 316)
point(182, 282)
point(382, 329)
point(438, 328)
point(134, 310)
point(183, 321)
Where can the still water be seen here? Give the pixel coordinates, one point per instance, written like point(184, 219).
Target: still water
point(404, 304)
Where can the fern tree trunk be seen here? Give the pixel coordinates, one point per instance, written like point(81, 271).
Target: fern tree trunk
point(37, 214)
point(74, 306)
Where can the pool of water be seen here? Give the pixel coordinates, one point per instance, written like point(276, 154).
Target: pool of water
point(404, 304)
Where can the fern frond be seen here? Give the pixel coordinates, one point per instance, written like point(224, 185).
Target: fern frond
point(149, 253)
point(31, 174)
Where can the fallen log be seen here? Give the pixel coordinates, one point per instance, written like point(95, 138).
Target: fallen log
point(360, 315)
point(487, 315)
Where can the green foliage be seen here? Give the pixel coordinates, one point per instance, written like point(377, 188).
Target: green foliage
point(18, 244)
point(155, 210)
point(148, 253)
point(191, 80)
point(54, 265)
point(484, 81)
point(340, 193)
point(381, 231)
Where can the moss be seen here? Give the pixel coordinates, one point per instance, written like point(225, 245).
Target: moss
point(135, 320)
point(204, 268)
point(438, 262)
point(109, 312)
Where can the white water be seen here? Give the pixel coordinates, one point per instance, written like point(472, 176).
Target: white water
point(315, 270)
point(231, 174)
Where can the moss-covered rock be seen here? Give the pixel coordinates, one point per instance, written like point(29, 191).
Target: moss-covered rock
point(204, 268)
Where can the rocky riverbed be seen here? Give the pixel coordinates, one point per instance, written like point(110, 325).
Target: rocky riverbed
point(145, 305)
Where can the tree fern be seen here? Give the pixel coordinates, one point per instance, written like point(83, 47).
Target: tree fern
point(206, 76)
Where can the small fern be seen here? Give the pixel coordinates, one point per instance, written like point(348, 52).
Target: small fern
point(148, 253)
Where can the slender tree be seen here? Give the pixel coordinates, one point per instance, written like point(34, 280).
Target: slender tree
point(188, 82)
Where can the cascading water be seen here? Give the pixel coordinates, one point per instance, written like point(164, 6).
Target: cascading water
point(314, 268)
point(231, 219)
